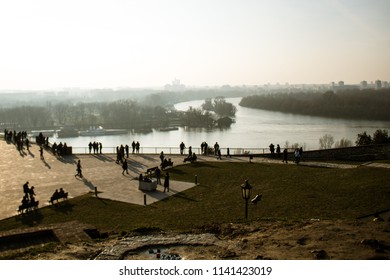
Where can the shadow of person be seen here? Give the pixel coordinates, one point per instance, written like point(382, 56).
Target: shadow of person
point(31, 218)
point(46, 164)
point(89, 184)
point(31, 154)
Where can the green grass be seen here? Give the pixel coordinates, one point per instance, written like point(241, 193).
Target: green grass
point(290, 192)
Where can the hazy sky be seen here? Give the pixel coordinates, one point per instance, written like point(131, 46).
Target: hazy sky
point(120, 43)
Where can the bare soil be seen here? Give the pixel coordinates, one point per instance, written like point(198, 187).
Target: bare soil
point(282, 240)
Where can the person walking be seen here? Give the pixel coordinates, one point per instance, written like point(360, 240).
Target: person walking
point(166, 182)
point(78, 169)
point(125, 167)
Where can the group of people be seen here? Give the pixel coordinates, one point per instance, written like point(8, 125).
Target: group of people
point(297, 153)
point(191, 158)
point(165, 162)
point(58, 194)
point(18, 138)
point(59, 149)
point(28, 199)
point(135, 147)
point(96, 147)
point(123, 152)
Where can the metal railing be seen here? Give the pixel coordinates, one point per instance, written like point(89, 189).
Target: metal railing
point(174, 150)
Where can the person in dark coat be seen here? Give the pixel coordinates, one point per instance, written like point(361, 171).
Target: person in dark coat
point(125, 167)
point(158, 175)
point(166, 182)
point(79, 174)
point(285, 155)
point(26, 188)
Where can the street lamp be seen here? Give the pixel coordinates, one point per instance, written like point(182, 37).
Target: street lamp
point(246, 191)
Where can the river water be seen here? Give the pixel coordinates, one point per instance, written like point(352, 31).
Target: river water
point(253, 129)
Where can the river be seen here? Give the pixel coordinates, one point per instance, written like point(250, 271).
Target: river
point(253, 128)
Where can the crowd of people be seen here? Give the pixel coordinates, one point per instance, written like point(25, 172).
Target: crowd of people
point(19, 138)
point(123, 152)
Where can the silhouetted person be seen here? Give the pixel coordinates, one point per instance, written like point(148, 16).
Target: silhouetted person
point(158, 175)
point(125, 167)
point(78, 169)
point(166, 182)
point(26, 188)
point(133, 146)
point(219, 154)
point(278, 151)
point(162, 156)
point(285, 155)
point(272, 149)
point(182, 147)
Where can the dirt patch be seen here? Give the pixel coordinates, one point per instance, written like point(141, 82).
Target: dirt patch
point(282, 240)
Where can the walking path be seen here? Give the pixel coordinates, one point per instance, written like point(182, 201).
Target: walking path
point(99, 171)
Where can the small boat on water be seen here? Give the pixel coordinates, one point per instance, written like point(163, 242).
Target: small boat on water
point(67, 132)
point(168, 128)
point(142, 130)
point(98, 131)
point(45, 132)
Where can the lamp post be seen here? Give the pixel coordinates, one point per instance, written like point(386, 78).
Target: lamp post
point(246, 191)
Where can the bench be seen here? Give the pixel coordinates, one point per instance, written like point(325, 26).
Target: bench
point(57, 197)
point(190, 159)
point(151, 170)
point(28, 207)
point(164, 165)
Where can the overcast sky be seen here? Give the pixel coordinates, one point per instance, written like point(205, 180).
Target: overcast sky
point(147, 43)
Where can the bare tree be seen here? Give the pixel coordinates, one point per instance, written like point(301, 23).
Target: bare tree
point(326, 141)
point(343, 143)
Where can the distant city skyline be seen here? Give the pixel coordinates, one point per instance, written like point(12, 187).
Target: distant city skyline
point(48, 44)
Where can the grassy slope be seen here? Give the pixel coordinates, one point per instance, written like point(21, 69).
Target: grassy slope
point(289, 192)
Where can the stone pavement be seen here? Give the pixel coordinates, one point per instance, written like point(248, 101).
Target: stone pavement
point(99, 171)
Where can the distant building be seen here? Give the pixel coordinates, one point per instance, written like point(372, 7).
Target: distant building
point(363, 84)
point(341, 84)
point(175, 86)
point(378, 84)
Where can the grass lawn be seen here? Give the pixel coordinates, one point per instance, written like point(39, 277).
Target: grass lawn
point(290, 192)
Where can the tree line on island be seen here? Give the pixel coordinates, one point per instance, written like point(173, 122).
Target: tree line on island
point(127, 114)
point(349, 104)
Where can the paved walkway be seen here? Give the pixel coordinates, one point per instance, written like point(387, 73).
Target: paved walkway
point(99, 171)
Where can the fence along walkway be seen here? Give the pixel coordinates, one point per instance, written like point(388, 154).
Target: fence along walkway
point(176, 150)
